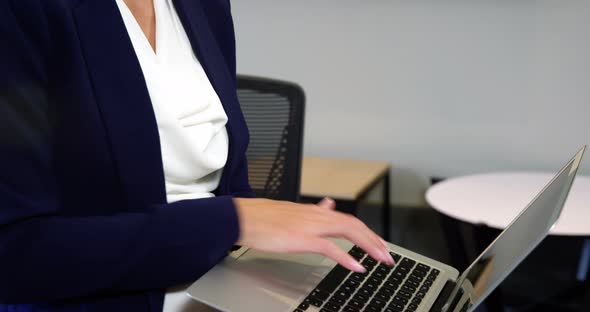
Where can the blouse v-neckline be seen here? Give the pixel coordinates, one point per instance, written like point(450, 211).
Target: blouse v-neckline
point(157, 51)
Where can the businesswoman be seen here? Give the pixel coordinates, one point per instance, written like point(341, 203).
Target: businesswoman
point(122, 167)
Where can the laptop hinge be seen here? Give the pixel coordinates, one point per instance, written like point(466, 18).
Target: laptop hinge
point(443, 296)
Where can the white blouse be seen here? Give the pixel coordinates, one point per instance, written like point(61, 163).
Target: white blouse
point(191, 120)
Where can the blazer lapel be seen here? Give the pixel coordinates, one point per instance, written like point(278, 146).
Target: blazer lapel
point(123, 100)
point(207, 51)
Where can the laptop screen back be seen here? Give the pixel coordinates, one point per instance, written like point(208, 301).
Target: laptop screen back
point(519, 238)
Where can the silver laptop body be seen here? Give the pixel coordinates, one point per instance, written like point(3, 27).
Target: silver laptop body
point(250, 280)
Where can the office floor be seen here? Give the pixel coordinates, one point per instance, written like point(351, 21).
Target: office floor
point(547, 272)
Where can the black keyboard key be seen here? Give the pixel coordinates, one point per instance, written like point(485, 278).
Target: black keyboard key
point(372, 309)
point(377, 303)
point(406, 262)
point(374, 280)
point(356, 304)
point(395, 279)
point(419, 273)
point(337, 301)
point(408, 288)
point(352, 283)
point(422, 267)
point(360, 297)
point(391, 285)
point(420, 295)
point(432, 275)
point(366, 291)
point(424, 289)
point(357, 257)
point(359, 277)
point(412, 283)
point(383, 268)
point(403, 269)
point(387, 291)
point(379, 275)
point(396, 306)
point(428, 283)
point(369, 263)
point(346, 289)
point(322, 295)
point(383, 295)
point(400, 300)
point(371, 286)
point(415, 279)
point(303, 306)
point(391, 309)
point(418, 279)
point(332, 307)
point(398, 274)
point(404, 294)
point(342, 294)
point(357, 249)
point(416, 301)
point(358, 254)
point(333, 279)
point(314, 302)
point(412, 307)
point(395, 256)
point(350, 309)
point(328, 310)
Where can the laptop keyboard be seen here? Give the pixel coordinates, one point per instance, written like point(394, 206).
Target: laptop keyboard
point(383, 288)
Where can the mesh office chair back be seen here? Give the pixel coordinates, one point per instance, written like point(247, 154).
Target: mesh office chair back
point(274, 113)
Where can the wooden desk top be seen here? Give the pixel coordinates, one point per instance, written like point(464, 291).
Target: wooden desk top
point(339, 178)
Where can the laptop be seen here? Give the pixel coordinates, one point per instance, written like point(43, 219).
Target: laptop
point(250, 280)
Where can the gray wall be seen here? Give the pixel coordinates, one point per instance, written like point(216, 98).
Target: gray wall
point(437, 88)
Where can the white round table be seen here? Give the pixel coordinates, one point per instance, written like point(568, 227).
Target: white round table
point(494, 199)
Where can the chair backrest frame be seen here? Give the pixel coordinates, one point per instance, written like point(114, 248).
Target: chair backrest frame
point(251, 88)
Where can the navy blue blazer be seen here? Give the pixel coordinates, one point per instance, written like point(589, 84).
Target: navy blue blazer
point(84, 222)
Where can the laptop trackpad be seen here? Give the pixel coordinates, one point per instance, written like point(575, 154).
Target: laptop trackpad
point(277, 280)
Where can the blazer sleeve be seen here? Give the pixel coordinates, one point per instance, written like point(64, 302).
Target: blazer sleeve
point(45, 256)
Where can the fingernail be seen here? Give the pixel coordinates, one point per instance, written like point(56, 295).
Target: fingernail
point(387, 258)
point(359, 268)
point(328, 202)
point(391, 261)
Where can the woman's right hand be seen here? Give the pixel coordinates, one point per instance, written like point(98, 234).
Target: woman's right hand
point(286, 227)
